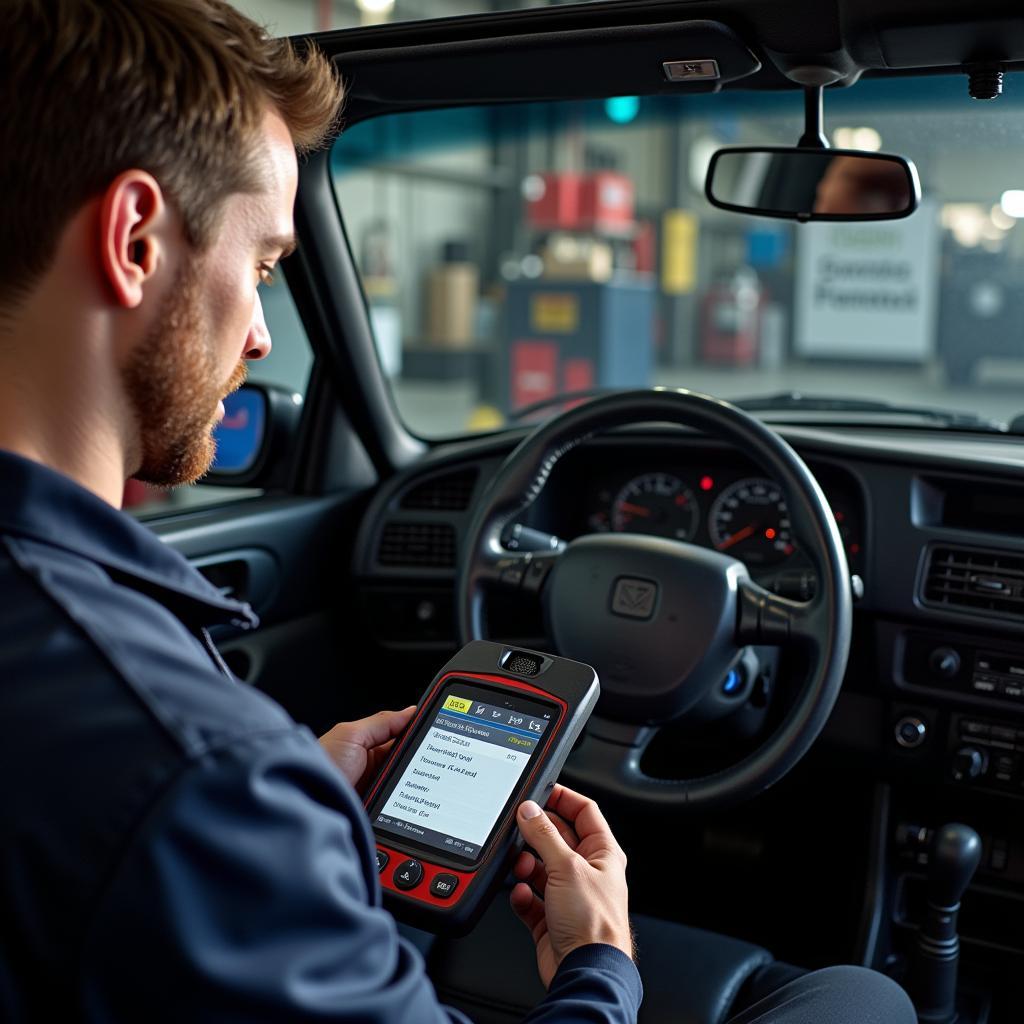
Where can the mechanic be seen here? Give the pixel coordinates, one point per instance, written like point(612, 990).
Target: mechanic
point(174, 846)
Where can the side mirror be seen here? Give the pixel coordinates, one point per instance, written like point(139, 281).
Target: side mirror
point(254, 437)
point(807, 184)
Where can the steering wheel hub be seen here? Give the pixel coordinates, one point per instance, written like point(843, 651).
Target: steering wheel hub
point(658, 616)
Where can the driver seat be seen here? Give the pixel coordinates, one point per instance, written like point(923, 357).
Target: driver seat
point(690, 976)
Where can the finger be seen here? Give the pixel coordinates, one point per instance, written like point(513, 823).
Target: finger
point(529, 909)
point(565, 830)
point(381, 727)
point(543, 835)
point(378, 755)
point(530, 870)
point(583, 814)
point(524, 865)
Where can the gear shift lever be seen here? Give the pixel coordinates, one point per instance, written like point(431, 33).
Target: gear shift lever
point(955, 853)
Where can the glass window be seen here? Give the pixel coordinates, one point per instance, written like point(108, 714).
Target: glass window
point(514, 254)
point(287, 366)
point(299, 17)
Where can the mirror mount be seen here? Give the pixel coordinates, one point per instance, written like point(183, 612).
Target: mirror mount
point(814, 119)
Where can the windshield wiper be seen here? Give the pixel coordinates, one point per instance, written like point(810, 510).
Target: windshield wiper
point(795, 401)
point(554, 400)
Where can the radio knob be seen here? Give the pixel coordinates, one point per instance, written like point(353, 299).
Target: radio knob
point(911, 732)
point(969, 763)
point(944, 662)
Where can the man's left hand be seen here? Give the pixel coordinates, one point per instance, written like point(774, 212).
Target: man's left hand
point(360, 748)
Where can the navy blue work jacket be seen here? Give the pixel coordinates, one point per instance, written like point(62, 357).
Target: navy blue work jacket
point(173, 846)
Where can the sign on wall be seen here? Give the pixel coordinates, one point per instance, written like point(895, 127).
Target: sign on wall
point(869, 290)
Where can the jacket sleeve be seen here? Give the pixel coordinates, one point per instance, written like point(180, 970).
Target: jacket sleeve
point(594, 984)
point(249, 893)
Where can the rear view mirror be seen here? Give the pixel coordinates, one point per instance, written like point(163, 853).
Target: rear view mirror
point(813, 184)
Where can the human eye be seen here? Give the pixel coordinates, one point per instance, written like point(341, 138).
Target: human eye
point(266, 272)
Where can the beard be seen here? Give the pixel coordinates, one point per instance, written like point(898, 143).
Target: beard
point(171, 383)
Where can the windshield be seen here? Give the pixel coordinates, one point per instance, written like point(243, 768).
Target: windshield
point(513, 254)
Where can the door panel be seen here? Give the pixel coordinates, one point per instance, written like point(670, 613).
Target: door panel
point(290, 557)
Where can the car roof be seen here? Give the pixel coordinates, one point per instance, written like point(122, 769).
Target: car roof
point(594, 50)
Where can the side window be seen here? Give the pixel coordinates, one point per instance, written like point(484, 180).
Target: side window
point(288, 365)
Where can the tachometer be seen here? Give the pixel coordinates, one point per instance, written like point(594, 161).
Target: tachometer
point(656, 503)
point(750, 521)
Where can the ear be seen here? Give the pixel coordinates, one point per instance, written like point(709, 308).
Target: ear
point(131, 214)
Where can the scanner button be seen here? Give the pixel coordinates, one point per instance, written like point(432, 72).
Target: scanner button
point(408, 874)
point(382, 861)
point(443, 886)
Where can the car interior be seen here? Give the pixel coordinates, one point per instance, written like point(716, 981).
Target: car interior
point(528, 349)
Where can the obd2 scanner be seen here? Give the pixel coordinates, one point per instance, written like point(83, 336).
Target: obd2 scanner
point(493, 729)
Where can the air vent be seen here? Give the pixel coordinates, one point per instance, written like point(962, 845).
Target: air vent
point(417, 545)
point(448, 493)
point(985, 582)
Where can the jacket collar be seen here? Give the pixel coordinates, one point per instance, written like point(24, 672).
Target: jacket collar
point(39, 503)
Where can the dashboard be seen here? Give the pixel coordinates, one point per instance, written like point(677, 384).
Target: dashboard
point(932, 708)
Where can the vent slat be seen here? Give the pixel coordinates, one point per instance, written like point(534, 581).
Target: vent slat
point(417, 545)
point(449, 493)
point(970, 580)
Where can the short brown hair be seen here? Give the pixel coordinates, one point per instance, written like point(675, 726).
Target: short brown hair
point(174, 87)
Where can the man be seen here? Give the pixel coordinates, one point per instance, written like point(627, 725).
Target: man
point(175, 847)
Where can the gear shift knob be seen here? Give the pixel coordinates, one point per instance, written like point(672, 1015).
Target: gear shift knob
point(955, 855)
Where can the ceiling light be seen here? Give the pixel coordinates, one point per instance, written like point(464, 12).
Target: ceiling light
point(1001, 218)
point(1012, 202)
point(966, 221)
point(622, 109)
point(867, 139)
point(376, 6)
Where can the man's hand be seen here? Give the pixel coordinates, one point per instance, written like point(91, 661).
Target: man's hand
point(573, 892)
point(360, 748)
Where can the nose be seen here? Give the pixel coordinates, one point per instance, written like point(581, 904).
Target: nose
point(257, 344)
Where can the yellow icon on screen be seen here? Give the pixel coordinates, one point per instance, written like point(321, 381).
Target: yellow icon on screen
point(454, 703)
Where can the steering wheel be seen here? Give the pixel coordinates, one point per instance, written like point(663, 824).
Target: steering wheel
point(663, 621)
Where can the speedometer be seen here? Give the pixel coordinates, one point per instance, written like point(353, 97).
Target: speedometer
point(656, 503)
point(750, 521)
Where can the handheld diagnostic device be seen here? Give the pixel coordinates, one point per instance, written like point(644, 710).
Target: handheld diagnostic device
point(493, 729)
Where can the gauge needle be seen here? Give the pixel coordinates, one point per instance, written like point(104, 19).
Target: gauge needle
point(634, 510)
point(738, 536)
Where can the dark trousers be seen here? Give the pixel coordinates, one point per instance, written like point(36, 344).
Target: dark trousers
point(834, 995)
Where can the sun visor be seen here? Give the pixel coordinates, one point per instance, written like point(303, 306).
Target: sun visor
point(905, 35)
point(931, 46)
point(668, 58)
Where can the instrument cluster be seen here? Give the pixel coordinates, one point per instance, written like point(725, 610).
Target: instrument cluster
point(724, 507)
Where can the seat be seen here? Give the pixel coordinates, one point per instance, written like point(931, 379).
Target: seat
point(690, 976)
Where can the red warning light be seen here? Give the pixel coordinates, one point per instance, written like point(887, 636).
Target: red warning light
point(854, 549)
point(706, 483)
point(680, 500)
point(770, 533)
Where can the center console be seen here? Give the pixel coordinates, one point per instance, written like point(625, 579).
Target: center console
point(954, 751)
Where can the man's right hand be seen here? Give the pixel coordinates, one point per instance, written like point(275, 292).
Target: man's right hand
point(573, 891)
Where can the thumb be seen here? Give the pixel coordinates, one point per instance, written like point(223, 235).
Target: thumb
point(384, 725)
point(539, 831)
